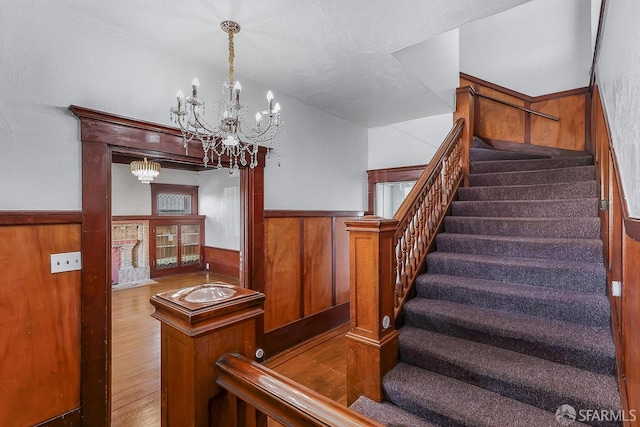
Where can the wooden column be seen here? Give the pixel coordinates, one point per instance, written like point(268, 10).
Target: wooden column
point(465, 109)
point(193, 337)
point(372, 342)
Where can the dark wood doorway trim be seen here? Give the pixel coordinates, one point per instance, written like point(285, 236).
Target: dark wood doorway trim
point(104, 135)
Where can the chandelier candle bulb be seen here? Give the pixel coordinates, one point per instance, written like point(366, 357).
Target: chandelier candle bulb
point(270, 100)
point(237, 87)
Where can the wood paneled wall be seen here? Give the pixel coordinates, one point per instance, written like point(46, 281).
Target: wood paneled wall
point(495, 121)
point(621, 237)
point(39, 320)
point(306, 275)
point(222, 261)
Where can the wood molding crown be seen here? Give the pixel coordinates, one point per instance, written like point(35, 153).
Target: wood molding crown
point(40, 217)
point(139, 137)
point(306, 214)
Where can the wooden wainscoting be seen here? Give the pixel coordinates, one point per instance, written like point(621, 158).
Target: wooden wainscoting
point(39, 320)
point(621, 238)
point(306, 275)
point(222, 261)
point(499, 122)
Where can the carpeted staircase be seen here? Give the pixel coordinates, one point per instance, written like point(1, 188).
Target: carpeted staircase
point(511, 320)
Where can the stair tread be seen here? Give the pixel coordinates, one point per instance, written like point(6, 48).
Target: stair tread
point(452, 402)
point(577, 227)
point(544, 264)
point(513, 165)
point(569, 174)
point(521, 328)
point(583, 207)
point(568, 190)
point(388, 413)
point(490, 153)
point(570, 275)
point(563, 249)
point(536, 381)
point(565, 305)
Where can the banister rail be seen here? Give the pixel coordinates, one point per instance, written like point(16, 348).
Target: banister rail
point(423, 210)
point(281, 398)
point(518, 107)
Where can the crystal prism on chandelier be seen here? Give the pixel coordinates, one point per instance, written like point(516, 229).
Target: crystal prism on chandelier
point(231, 139)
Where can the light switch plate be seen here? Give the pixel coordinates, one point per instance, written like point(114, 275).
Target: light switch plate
point(616, 288)
point(68, 261)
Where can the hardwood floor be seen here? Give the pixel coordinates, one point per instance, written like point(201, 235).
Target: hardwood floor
point(135, 382)
point(319, 364)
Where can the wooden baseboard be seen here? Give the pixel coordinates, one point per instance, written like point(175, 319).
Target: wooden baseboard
point(294, 333)
point(69, 419)
point(222, 261)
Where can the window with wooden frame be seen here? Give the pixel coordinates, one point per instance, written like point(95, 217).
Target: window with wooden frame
point(174, 200)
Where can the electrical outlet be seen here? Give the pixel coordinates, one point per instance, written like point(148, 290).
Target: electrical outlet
point(616, 288)
point(68, 261)
point(206, 266)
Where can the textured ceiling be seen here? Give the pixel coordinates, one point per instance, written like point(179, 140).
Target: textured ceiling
point(335, 55)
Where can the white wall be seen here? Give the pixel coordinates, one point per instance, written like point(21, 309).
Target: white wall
point(540, 47)
point(131, 197)
point(219, 200)
point(408, 143)
point(618, 76)
point(51, 57)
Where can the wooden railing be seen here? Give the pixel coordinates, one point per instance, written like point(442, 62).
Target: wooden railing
point(517, 107)
point(386, 255)
point(255, 392)
point(423, 210)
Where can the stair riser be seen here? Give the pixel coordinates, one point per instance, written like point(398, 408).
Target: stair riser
point(547, 400)
point(527, 209)
point(572, 279)
point(552, 308)
point(402, 400)
point(579, 228)
point(528, 165)
point(582, 251)
point(553, 176)
point(555, 353)
point(481, 154)
point(575, 190)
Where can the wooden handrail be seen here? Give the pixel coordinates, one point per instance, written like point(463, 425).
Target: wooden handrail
point(281, 398)
point(518, 107)
point(423, 210)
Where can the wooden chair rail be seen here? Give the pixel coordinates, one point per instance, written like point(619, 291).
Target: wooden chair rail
point(518, 107)
point(422, 212)
point(281, 398)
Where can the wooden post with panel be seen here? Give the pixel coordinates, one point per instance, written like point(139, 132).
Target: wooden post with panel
point(372, 342)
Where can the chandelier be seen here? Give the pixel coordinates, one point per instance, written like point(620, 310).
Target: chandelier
point(230, 136)
point(145, 171)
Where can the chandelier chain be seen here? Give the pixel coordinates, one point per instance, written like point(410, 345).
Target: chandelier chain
point(231, 57)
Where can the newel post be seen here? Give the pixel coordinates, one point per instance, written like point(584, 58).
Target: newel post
point(465, 110)
point(372, 342)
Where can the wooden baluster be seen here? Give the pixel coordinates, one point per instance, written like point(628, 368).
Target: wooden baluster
point(372, 342)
